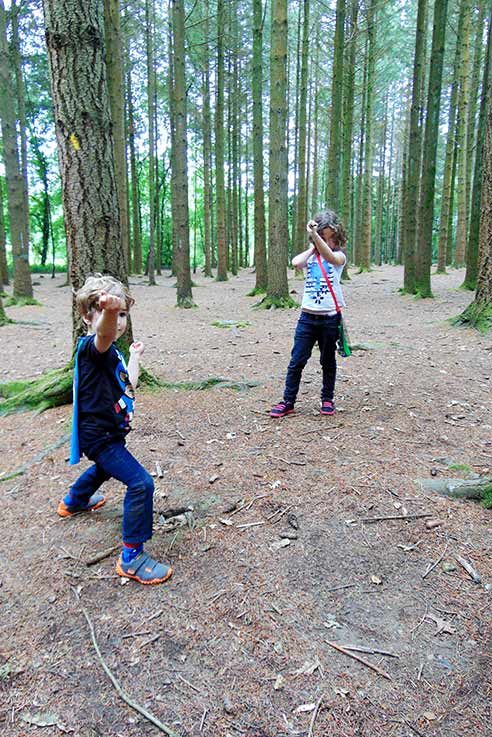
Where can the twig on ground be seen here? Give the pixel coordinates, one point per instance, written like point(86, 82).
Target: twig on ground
point(371, 650)
point(171, 543)
point(127, 699)
point(158, 470)
point(217, 596)
point(202, 722)
point(395, 516)
point(315, 714)
point(360, 660)
point(249, 524)
point(289, 463)
point(338, 588)
point(135, 634)
point(180, 434)
point(188, 683)
point(155, 615)
point(102, 555)
point(419, 624)
point(149, 641)
point(434, 565)
point(279, 513)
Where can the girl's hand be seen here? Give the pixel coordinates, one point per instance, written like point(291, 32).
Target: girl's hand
point(137, 348)
point(111, 302)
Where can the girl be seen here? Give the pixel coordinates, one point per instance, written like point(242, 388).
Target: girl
point(319, 319)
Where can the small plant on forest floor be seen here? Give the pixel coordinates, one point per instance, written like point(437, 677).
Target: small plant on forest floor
point(487, 498)
point(21, 302)
point(461, 467)
point(230, 324)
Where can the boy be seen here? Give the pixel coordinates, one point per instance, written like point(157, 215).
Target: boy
point(102, 411)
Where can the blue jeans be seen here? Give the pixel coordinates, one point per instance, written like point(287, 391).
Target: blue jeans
point(115, 461)
point(311, 329)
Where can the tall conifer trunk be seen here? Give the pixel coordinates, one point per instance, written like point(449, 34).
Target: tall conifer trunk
point(334, 181)
point(13, 174)
point(258, 176)
point(222, 255)
point(75, 40)
point(461, 136)
point(300, 235)
point(366, 209)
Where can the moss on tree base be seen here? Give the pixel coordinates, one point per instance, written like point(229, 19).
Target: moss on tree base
point(14, 301)
point(49, 390)
point(477, 316)
point(256, 292)
point(276, 303)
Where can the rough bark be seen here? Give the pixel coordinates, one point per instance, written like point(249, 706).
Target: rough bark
point(114, 64)
point(461, 136)
point(222, 256)
point(4, 272)
point(207, 147)
point(16, 57)
point(300, 236)
point(348, 114)
point(424, 260)
point(366, 235)
point(258, 175)
point(334, 181)
point(75, 41)
point(184, 296)
point(412, 182)
point(13, 174)
point(278, 289)
point(149, 42)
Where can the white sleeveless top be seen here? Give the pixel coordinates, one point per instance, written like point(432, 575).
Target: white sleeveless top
point(317, 296)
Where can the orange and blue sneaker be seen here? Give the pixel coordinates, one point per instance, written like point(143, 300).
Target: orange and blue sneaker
point(143, 568)
point(68, 510)
point(327, 407)
point(282, 409)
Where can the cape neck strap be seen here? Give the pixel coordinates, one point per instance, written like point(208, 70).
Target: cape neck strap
point(323, 271)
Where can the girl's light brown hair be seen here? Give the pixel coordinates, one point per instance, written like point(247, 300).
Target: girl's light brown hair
point(330, 219)
point(87, 297)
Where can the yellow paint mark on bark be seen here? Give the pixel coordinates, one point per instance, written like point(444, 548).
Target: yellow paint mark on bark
point(74, 141)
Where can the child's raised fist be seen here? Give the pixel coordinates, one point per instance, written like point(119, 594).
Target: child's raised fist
point(111, 302)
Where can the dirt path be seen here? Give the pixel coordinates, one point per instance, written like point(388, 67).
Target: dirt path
point(241, 630)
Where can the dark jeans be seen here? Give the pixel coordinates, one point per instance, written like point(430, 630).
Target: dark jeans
point(115, 461)
point(311, 329)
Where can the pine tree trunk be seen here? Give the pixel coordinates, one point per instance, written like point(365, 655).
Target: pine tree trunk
point(258, 175)
point(292, 246)
point(449, 161)
point(471, 141)
point(4, 272)
point(222, 255)
point(366, 239)
point(180, 160)
point(207, 147)
point(16, 57)
point(278, 186)
point(412, 183)
point(75, 40)
point(461, 138)
point(424, 259)
point(13, 174)
point(149, 42)
point(348, 115)
point(472, 253)
point(114, 64)
point(300, 236)
point(378, 239)
point(334, 182)
point(316, 137)
point(136, 222)
point(234, 107)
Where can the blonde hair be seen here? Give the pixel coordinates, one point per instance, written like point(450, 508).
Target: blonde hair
point(87, 297)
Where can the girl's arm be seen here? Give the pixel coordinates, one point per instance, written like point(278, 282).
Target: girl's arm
point(136, 350)
point(300, 261)
point(333, 257)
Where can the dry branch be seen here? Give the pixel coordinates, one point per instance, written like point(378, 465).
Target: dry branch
point(132, 704)
point(359, 660)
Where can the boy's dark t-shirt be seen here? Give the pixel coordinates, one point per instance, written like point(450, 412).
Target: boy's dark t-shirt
point(105, 397)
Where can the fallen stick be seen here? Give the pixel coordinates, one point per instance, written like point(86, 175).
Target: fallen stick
point(360, 660)
point(315, 714)
point(249, 524)
point(204, 715)
point(345, 586)
point(280, 513)
point(395, 516)
point(189, 684)
point(434, 565)
point(474, 575)
point(102, 555)
point(132, 704)
point(289, 463)
point(370, 650)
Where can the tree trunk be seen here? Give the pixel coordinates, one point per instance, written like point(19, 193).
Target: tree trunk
point(258, 176)
point(412, 183)
point(149, 42)
point(473, 240)
point(180, 160)
point(424, 260)
point(4, 272)
point(13, 174)
point(348, 115)
point(449, 161)
point(207, 147)
point(136, 222)
point(222, 256)
point(366, 239)
point(300, 237)
point(16, 56)
point(334, 182)
point(278, 288)
point(461, 137)
point(75, 40)
point(114, 65)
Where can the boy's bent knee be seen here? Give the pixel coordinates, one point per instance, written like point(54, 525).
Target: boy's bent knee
point(144, 484)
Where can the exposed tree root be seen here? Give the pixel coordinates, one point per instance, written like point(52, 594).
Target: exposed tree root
point(478, 316)
point(49, 390)
point(37, 459)
point(477, 489)
point(276, 303)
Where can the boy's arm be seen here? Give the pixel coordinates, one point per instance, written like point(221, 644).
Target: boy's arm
point(107, 323)
point(333, 257)
point(300, 261)
point(136, 350)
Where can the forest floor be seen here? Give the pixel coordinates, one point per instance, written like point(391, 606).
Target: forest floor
point(236, 643)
